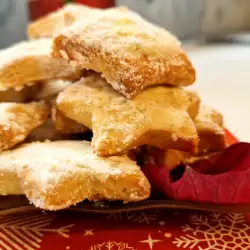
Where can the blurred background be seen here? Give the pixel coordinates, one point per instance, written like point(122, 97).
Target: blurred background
point(188, 19)
point(215, 34)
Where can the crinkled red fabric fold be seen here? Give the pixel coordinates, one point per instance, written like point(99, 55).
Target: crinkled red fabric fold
point(224, 178)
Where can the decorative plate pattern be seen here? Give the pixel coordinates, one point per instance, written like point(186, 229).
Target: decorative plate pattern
point(143, 230)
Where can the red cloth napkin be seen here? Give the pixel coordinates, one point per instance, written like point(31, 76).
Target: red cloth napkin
point(222, 178)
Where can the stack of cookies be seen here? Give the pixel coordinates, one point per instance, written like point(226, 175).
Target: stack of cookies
point(105, 73)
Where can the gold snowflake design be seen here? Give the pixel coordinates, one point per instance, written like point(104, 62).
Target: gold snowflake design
point(112, 245)
point(24, 231)
point(142, 217)
point(215, 232)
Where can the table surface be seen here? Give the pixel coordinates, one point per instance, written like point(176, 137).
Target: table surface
point(223, 75)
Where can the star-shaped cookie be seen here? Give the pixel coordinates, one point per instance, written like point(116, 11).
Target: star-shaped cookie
point(128, 51)
point(56, 175)
point(158, 116)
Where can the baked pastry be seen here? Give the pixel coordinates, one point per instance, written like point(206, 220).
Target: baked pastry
point(85, 139)
point(27, 62)
point(46, 132)
point(157, 117)
point(210, 128)
point(50, 89)
point(53, 23)
point(9, 179)
point(62, 173)
point(65, 125)
point(18, 120)
point(128, 51)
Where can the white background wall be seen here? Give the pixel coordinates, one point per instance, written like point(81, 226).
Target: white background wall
point(223, 82)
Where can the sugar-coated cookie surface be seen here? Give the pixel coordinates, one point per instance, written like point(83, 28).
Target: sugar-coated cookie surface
point(56, 175)
point(128, 51)
point(210, 127)
point(18, 120)
point(157, 117)
point(51, 24)
point(27, 62)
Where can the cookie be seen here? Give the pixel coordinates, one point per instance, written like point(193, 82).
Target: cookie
point(65, 125)
point(18, 120)
point(56, 175)
point(28, 62)
point(128, 51)
point(51, 24)
point(157, 117)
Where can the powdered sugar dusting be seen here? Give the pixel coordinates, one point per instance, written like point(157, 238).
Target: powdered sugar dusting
point(62, 173)
point(119, 124)
point(17, 120)
point(23, 49)
point(130, 52)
